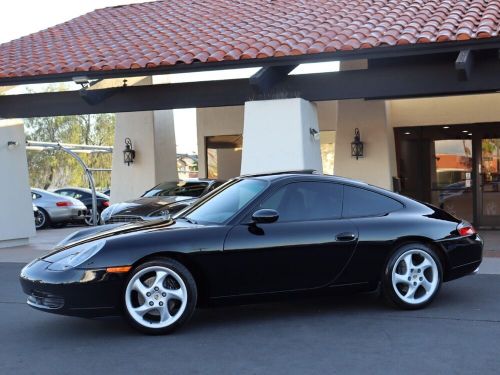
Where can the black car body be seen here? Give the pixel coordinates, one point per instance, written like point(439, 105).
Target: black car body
point(162, 200)
point(261, 237)
point(85, 196)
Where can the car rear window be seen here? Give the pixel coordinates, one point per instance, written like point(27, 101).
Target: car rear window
point(362, 203)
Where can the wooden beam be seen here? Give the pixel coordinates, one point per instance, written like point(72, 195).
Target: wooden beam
point(266, 78)
point(384, 79)
point(464, 64)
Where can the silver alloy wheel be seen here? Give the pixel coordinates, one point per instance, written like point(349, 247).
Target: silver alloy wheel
point(415, 276)
point(156, 297)
point(40, 219)
point(88, 217)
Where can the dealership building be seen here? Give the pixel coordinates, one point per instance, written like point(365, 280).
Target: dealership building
point(410, 100)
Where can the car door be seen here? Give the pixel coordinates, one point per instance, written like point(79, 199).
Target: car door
point(306, 248)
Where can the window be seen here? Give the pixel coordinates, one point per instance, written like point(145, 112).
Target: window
point(177, 188)
point(361, 203)
point(227, 202)
point(304, 201)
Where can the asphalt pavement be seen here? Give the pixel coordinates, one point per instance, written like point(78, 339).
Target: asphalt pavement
point(458, 334)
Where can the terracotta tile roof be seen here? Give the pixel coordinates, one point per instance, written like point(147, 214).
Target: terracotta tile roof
point(166, 33)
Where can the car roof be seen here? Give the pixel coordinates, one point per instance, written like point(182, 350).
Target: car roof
point(309, 173)
point(86, 190)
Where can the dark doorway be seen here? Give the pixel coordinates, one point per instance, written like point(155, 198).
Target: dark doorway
point(455, 167)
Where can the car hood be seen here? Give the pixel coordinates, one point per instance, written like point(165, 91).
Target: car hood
point(112, 230)
point(144, 206)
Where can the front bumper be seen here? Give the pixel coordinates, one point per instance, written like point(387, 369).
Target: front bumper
point(75, 292)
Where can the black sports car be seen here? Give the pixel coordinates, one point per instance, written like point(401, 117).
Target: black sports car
point(162, 200)
point(85, 196)
point(254, 238)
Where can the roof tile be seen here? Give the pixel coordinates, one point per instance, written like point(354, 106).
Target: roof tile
point(166, 33)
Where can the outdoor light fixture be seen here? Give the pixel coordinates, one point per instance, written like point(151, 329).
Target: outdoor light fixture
point(82, 81)
point(357, 145)
point(129, 152)
point(12, 145)
point(314, 134)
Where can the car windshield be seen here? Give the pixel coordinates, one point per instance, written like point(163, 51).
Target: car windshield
point(178, 188)
point(229, 201)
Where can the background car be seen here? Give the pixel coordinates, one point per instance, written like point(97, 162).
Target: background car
point(56, 210)
point(85, 196)
point(257, 238)
point(164, 199)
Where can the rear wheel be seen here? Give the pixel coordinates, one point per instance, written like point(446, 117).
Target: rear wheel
point(41, 219)
point(412, 277)
point(160, 296)
point(88, 217)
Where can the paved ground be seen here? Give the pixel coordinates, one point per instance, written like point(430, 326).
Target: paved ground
point(458, 334)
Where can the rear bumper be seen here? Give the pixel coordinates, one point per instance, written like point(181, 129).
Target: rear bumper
point(75, 292)
point(464, 255)
point(67, 213)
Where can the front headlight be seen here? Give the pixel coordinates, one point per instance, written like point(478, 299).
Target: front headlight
point(77, 255)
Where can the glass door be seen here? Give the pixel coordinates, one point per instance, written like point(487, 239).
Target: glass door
point(489, 183)
point(451, 177)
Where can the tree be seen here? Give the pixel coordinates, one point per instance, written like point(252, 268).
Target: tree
point(53, 169)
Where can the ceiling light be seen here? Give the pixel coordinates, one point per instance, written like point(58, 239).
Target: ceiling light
point(446, 127)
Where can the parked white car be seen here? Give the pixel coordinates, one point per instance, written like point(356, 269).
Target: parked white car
point(55, 209)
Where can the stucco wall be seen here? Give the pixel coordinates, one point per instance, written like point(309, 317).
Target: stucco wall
point(153, 138)
point(377, 166)
point(16, 216)
point(277, 136)
point(216, 121)
point(445, 110)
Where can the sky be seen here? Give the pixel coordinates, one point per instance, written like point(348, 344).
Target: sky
point(23, 17)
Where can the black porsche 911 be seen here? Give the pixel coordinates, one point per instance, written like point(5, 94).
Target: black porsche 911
point(253, 239)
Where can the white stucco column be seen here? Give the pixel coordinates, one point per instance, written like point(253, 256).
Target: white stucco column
point(16, 216)
point(276, 136)
point(153, 138)
point(378, 164)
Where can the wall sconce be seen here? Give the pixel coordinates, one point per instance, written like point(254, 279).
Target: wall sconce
point(314, 134)
point(357, 145)
point(12, 145)
point(129, 152)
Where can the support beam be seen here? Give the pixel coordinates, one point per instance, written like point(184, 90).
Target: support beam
point(464, 64)
point(384, 79)
point(266, 78)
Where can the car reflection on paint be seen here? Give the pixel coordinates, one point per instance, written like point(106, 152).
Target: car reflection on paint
point(163, 200)
point(257, 238)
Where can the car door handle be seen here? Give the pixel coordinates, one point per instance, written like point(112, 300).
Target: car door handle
point(345, 236)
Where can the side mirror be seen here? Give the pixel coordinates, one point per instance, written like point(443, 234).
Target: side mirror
point(265, 215)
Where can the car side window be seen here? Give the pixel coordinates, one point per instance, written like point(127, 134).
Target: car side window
point(64, 192)
point(306, 201)
point(363, 203)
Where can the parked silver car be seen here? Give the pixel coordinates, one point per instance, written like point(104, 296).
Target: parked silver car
point(56, 210)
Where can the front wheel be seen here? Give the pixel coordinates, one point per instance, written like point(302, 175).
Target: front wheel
point(160, 296)
point(412, 277)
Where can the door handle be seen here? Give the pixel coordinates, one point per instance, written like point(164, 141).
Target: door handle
point(345, 236)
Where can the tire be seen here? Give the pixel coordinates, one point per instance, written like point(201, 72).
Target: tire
point(412, 277)
point(158, 309)
point(42, 220)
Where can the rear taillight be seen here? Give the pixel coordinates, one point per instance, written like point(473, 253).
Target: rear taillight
point(105, 203)
point(465, 229)
point(64, 204)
